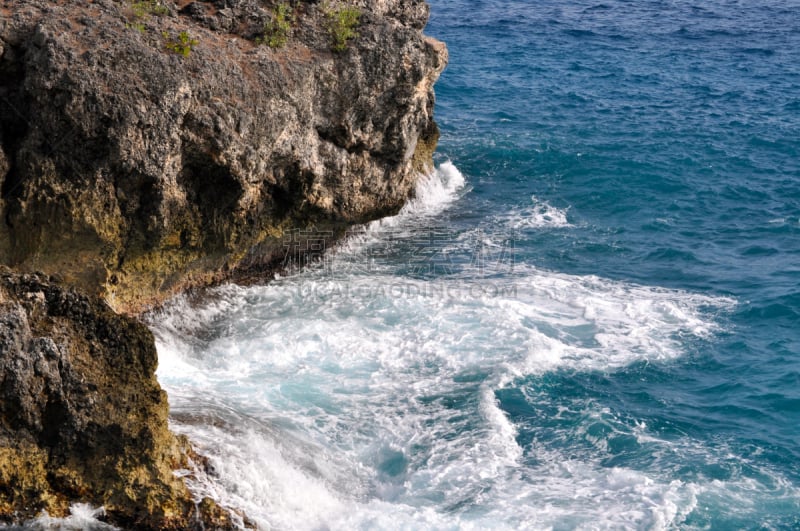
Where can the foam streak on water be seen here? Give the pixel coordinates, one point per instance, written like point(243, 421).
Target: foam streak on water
point(539, 214)
point(368, 399)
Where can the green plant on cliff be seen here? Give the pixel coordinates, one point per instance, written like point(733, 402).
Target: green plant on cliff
point(276, 31)
point(342, 24)
point(138, 26)
point(183, 44)
point(145, 8)
point(142, 10)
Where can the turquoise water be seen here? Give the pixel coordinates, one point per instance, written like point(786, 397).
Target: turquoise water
point(589, 317)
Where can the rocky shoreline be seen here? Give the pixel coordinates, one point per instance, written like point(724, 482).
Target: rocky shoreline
point(82, 416)
point(147, 147)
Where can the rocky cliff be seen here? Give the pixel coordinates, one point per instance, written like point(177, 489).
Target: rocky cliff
point(82, 417)
point(147, 146)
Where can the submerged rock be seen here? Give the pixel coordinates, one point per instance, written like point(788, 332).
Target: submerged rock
point(134, 171)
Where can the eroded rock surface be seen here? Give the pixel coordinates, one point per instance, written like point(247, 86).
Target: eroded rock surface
point(134, 172)
point(82, 417)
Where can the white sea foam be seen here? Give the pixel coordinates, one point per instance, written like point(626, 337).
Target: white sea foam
point(366, 400)
point(434, 192)
point(82, 517)
point(539, 214)
point(360, 374)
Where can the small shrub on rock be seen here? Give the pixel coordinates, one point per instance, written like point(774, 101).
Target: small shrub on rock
point(342, 24)
point(182, 45)
point(276, 31)
point(145, 8)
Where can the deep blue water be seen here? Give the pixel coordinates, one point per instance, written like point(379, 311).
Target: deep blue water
point(589, 317)
point(670, 133)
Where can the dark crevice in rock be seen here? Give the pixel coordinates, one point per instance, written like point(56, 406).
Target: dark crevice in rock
point(13, 121)
point(338, 137)
point(140, 198)
point(11, 179)
point(213, 192)
point(55, 414)
point(292, 186)
point(210, 185)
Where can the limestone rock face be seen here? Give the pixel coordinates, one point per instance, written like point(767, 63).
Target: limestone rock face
point(82, 417)
point(133, 171)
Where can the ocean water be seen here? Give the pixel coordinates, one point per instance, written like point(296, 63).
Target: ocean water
point(588, 318)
